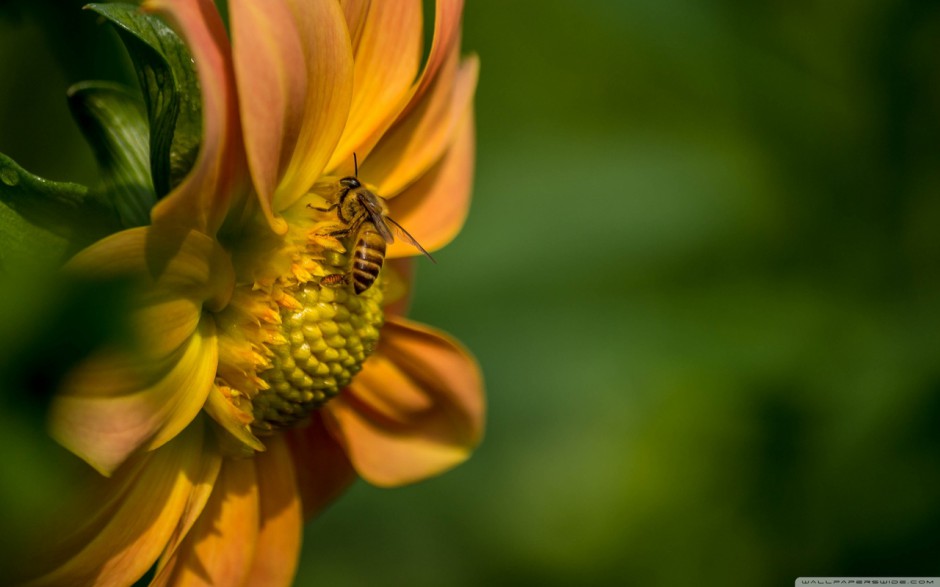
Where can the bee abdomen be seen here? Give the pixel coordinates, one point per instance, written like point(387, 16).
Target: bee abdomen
point(367, 259)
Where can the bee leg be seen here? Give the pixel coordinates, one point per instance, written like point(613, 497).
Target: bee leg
point(333, 207)
point(334, 280)
point(341, 233)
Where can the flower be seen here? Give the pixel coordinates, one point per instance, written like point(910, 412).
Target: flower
point(257, 393)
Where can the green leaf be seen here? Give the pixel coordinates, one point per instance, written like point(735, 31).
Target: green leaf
point(47, 221)
point(170, 86)
point(115, 123)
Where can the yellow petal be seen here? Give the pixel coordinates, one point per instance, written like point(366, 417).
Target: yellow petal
point(278, 548)
point(164, 263)
point(329, 62)
point(415, 410)
point(120, 400)
point(203, 198)
point(168, 324)
point(418, 140)
point(434, 208)
point(322, 468)
point(116, 528)
point(115, 403)
point(233, 421)
point(386, 64)
point(219, 548)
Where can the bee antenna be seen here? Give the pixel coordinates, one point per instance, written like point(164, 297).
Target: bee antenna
point(355, 166)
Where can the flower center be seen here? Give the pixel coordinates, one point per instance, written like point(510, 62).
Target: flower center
point(295, 332)
point(327, 340)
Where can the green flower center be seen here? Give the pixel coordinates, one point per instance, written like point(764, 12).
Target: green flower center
point(327, 341)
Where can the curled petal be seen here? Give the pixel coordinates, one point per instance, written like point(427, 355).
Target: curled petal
point(272, 80)
point(220, 546)
point(414, 411)
point(446, 41)
point(386, 64)
point(434, 208)
point(198, 498)
point(323, 470)
point(168, 323)
point(278, 548)
point(235, 422)
point(166, 264)
point(418, 140)
point(203, 198)
point(111, 405)
point(294, 70)
point(112, 531)
point(124, 399)
point(248, 534)
point(355, 12)
point(329, 62)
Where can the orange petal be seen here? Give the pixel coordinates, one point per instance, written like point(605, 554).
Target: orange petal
point(329, 63)
point(447, 18)
point(418, 140)
point(434, 208)
point(112, 532)
point(116, 403)
point(386, 64)
point(278, 548)
point(322, 468)
point(355, 12)
point(272, 80)
point(198, 499)
point(219, 548)
point(202, 199)
point(415, 410)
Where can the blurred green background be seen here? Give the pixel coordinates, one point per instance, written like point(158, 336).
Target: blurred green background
point(700, 273)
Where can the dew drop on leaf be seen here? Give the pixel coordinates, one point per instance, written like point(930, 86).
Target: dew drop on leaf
point(9, 176)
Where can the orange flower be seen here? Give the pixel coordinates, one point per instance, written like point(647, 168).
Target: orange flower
point(257, 394)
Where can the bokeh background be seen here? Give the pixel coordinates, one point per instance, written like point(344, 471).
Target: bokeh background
point(700, 273)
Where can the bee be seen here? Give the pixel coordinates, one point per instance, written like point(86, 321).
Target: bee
point(365, 215)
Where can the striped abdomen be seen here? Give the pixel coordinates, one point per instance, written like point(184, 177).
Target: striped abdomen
point(368, 256)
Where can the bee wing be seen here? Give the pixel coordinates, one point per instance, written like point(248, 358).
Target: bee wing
point(378, 220)
point(373, 207)
point(405, 236)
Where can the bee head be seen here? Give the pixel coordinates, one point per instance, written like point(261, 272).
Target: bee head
point(350, 183)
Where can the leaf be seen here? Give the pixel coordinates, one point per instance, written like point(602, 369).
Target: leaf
point(43, 220)
point(168, 79)
point(115, 124)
